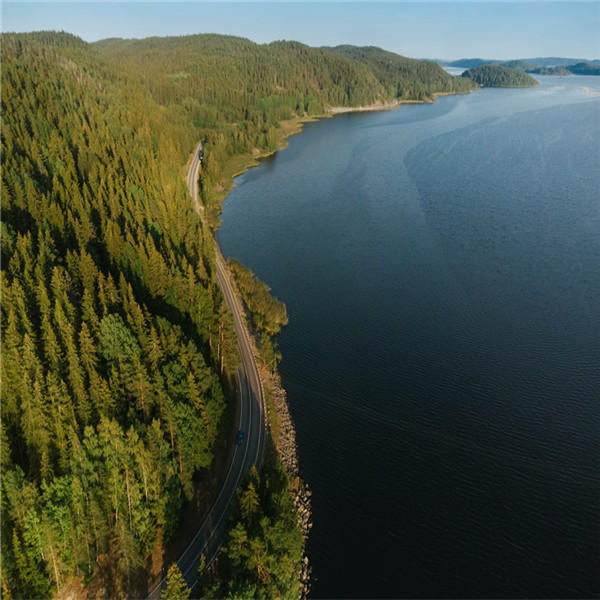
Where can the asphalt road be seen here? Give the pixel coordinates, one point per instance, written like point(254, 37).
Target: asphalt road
point(251, 419)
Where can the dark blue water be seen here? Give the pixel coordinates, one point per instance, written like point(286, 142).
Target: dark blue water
point(441, 268)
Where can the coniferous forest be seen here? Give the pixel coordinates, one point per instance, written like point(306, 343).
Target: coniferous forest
point(117, 347)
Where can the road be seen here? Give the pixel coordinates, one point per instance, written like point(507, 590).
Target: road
point(251, 419)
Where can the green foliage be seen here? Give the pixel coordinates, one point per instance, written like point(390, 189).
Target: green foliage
point(117, 343)
point(469, 63)
point(176, 588)
point(233, 93)
point(540, 66)
point(523, 65)
point(562, 71)
point(520, 65)
point(262, 558)
point(499, 76)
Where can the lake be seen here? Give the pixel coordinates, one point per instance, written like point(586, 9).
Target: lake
point(441, 268)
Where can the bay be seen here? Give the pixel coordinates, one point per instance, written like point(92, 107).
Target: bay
point(441, 269)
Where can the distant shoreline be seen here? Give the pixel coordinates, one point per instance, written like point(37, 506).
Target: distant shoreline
point(338, 110)
point(295, 125)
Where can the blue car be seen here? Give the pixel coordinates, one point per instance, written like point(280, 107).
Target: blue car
point(239, 438)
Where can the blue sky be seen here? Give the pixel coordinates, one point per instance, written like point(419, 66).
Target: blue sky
point(450, 29)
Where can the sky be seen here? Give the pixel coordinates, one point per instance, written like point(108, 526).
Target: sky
point(426, 29)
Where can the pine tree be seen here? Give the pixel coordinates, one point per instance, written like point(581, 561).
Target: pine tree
point(176, 588)
point(249, 502)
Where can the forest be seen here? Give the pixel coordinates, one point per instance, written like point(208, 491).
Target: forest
point(117, 348)
point(111, 320)
point(264, 545)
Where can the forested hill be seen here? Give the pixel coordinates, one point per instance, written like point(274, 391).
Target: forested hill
point(404, 78)
point(116, 343)
point(239, 78)
point(241, 74)
point(497, 76)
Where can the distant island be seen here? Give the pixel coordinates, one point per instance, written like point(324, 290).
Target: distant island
point(540, 66)
point(498, 76)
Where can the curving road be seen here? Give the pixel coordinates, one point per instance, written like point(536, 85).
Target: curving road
point(251, 419)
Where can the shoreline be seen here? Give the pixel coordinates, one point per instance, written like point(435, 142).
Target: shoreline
point(296, 125)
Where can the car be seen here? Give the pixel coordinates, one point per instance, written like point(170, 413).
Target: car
point(239, 438)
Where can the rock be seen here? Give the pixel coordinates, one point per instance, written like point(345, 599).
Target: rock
point(286, 447)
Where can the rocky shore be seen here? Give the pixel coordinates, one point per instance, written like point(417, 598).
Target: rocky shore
point(286, 447)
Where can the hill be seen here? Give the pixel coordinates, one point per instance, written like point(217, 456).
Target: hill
point(550, 61)
point(401, 77)
point(498, 76)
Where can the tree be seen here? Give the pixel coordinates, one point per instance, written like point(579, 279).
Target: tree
point(249, 502)
point(176, 588)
